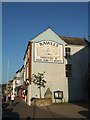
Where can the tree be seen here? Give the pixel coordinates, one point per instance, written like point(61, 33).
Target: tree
point(39, 81)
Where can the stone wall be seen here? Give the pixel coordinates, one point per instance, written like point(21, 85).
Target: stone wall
point(41, 102)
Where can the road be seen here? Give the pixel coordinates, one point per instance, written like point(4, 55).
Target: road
point(64, 110)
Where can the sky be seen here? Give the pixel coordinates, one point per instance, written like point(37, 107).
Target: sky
point(22, 21)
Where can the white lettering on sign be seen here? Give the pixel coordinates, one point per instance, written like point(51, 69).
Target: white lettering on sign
point(48, 51)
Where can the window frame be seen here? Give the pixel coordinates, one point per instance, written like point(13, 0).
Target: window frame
point(68, 70)
point(67, 52)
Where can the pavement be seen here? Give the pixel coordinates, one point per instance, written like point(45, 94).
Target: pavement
point(55, 111)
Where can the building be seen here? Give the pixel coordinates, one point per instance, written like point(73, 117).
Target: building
point(88, 83)
point(18, 82)
point(14, 85)
point(9, 87)
point(64, 61)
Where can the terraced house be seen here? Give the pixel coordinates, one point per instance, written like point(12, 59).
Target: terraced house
point(65, 63)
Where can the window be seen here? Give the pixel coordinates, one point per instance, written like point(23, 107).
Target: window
point(58, 94)
point(68, 70)
point(67, 52)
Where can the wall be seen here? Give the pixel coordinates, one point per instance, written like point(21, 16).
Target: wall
point(77, 83)
point(89, 53)
point(14, 92)
point(74, 87)
point(54, 72)
point(57, 80)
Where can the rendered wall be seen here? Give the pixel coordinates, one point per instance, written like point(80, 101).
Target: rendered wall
point(74, 87)
point(54, 72)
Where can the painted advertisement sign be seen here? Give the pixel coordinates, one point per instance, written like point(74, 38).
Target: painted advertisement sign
point(48, 51)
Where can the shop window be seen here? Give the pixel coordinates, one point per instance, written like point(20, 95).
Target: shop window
point(68, 70)
point(67, 52)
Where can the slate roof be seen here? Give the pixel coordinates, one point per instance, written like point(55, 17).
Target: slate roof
point(75, 41)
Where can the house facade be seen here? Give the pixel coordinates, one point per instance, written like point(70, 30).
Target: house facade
point(64, 62)
point(9, 87)
point(18, 82)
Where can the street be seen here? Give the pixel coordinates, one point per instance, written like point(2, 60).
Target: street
point(64, 110)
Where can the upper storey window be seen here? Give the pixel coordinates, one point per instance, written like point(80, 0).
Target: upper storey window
point(67, 52)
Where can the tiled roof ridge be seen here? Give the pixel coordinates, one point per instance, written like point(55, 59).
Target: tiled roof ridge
point(75, 40)
point(71, 37)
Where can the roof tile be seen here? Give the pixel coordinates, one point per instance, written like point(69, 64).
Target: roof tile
point(75, 41)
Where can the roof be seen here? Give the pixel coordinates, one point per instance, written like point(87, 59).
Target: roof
point(26, 49)
point(11, 81)
point(68, 40)
point(75, 41)
point(20, 69)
